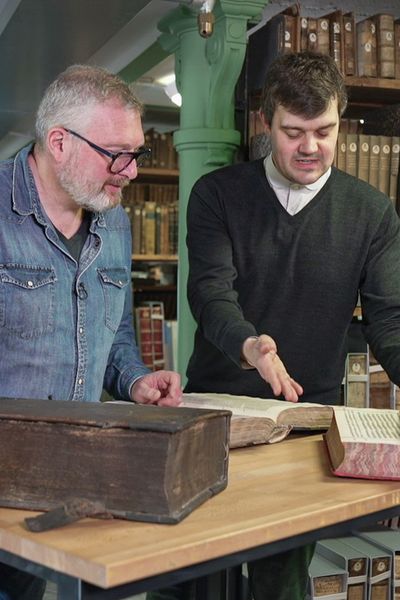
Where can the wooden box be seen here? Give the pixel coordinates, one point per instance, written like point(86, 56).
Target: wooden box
point(150, 463)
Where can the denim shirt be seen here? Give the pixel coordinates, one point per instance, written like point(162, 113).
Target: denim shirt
point(66, 328)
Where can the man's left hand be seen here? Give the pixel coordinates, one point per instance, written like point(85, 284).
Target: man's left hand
point(161, 387)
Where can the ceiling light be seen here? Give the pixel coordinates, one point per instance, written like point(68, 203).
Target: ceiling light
point(166, 79)
point(173, 93)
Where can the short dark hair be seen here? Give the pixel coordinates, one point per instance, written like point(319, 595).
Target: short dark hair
point(304, 83)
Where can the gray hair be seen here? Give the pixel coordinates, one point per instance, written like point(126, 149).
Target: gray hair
point(69, 98)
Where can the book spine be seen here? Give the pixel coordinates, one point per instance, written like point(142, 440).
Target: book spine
point(394, 169)
point(385, 143)
point(150, 334)
point(150, 227)
point(349, 38)
point(375, 150)
point(312, 38)
point(357, 380)
point(363, 157)
point(385, 50)
point(336, 39)
point(366, 48)
point(303, 33)
point(323, 45)
point(397, 48)
point(351, 153)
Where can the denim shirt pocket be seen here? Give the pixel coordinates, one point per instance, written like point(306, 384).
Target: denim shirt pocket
point(114, 281)
point(27, 295)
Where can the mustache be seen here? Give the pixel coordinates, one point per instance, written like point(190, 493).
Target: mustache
point(119, 181)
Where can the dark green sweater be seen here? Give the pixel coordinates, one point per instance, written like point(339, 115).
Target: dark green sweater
point(256, 269)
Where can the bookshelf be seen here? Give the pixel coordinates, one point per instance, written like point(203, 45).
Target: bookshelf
point(160, 175)
point(372, 92)
point(151, 202)
point(155, 257)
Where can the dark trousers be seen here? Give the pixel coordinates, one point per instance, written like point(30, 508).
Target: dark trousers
point(283, 576)
point(17, 585)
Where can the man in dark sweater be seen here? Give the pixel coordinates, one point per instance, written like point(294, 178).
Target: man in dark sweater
point(279, 250)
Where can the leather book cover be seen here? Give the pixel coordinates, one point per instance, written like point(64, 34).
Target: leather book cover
point(366, 48)
point(150, 227)
point(394, 169)
point(350, 45)
point(385, 50)
point(312, 35)
point(397, 48)
point(323, 45)
point(374, 152)
point(336, 38)
point(303, 33)
point(351, 153)
point(145, 463)
point(363, 157)
point(385, 143)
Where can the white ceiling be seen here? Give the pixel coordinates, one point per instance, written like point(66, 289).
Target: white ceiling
point(39, 38)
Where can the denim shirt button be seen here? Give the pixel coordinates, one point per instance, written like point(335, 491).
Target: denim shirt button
point(29, 283)
point(80, 330)
point(80, 381)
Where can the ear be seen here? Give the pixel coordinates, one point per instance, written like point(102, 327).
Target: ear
point(266, 124)
point(57, 143)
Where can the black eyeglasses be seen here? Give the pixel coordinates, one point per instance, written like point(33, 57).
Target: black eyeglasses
point(119, 160)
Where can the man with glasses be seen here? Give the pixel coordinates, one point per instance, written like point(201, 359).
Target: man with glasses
point(66, 327)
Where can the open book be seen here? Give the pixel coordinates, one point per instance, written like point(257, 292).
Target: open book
point(261, 421)
point(364, 442)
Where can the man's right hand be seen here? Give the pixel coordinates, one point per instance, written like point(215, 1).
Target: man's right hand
point(261, 353)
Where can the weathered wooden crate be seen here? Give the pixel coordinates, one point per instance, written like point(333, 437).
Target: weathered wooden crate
point(141, 462)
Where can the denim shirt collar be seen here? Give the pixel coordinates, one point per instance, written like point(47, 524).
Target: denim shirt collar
point(25, 197)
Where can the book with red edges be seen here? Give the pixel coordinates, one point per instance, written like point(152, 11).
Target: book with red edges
point(364, 442)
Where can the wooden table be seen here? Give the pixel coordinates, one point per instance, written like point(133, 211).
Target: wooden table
point(278, 497)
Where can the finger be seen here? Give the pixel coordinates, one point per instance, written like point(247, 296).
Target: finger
point(149, 395)
point(291, 389)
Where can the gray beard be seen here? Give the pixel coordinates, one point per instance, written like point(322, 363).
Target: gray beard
point(84, 194)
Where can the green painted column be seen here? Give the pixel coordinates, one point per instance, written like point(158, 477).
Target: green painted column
point(206, 72)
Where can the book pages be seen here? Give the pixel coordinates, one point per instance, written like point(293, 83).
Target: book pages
point(246, 406)
point(368, 425)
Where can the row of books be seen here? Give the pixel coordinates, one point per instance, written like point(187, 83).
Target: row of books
point(153, 212)
point(373, 158)
point(361, 566)
point(154, 228)
point(163, 152)
point(137, 193)
point(367, 48)
point(156, 336)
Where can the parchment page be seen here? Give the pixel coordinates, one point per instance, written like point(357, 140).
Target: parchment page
point(245, 406)
point(368, 425)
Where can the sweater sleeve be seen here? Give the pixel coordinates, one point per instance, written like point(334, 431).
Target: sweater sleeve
point(211, 284)
point(380, 294)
